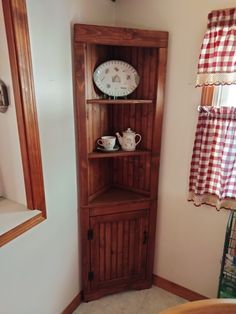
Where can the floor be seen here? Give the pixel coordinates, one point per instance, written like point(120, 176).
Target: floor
point(149, 301)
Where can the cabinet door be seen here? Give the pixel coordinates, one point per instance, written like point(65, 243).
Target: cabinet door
point(119, 248)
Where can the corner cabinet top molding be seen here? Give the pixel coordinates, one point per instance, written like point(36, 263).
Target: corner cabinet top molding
point(118, 195)
point(107, 35)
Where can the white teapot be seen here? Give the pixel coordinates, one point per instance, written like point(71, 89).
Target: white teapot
point(128, 142)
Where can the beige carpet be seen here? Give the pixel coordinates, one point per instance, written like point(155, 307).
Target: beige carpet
point(149, 301)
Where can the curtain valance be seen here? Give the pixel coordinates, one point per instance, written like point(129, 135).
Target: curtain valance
point(217, 60)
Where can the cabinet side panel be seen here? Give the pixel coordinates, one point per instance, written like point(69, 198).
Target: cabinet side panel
point(100, 177)
point(151, 240)
point(95, 55)
point(98, 124)
point(85, 246)
point(158, 117)
point(80, 117)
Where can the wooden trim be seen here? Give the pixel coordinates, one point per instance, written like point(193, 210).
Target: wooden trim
point(207, 95)
point(119, 153)
point(73, 305)
point(80, 115)
point(102, 292)
point(23, 227)
point(124, 36)
point(151, 240)
point(156, 144)
point(16, 23)
point(116, 209)
point(177, 289)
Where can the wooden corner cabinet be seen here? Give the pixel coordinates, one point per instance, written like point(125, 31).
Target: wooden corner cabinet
point(118, 190)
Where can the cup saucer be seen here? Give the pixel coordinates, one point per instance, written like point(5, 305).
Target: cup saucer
point(115, 148)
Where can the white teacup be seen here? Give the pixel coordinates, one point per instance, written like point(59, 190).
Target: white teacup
point(108, 142)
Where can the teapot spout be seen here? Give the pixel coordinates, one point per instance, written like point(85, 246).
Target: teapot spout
point(119, 138)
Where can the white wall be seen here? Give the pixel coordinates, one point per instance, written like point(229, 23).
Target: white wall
point(189, 239)
point(39, 271)
point(11, 173)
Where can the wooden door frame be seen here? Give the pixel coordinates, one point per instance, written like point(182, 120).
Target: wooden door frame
point(17, 31)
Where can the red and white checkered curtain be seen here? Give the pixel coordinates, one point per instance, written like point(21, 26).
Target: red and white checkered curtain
point(217, 60)
point(213, 168)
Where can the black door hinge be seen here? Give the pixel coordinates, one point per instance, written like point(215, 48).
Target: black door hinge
point(90, 275)
point(145, 237)
point(90, 234)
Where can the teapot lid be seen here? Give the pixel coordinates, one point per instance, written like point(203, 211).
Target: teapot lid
point(129, 131)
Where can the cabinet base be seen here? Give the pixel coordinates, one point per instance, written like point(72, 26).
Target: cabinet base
point(101, 292)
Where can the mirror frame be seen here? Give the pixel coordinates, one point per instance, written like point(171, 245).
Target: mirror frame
point(17, 31)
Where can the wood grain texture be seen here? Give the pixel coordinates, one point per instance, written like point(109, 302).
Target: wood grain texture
point(151, 241)
point(15, 15)
point(177, 289)
point(119, 153)
point(213, 306)
point(115, 196)
point(114, 186)
point(207, 95)
point(116, 288)
point(118, 115)
point(135, 172)
point(73, 305)
point(104, 247)
point(85, 247)
point(158, 117)
point(100, 176)
point(123, 36)
point(118, 208)
point(20, 229)
point(80, 122)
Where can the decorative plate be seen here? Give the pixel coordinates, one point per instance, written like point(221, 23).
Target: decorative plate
point(116, 78)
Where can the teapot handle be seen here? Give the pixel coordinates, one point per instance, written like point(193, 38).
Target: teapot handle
point(140, 137)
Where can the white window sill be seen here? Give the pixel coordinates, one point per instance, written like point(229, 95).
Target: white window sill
point(13, 215)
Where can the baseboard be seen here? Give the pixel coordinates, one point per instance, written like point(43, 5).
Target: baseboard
point(157, 281)
point(177, 289)
point(73, 305)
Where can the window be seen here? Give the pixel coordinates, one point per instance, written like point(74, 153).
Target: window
point(224, 96)
point(213, 167)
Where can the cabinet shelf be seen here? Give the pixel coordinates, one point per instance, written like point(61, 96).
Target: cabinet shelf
point(120, 153)
point(117, 196)
point(119, 101)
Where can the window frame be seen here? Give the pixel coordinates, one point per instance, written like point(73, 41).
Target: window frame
point(210, 97)
point(16, 24)
point(207, 95)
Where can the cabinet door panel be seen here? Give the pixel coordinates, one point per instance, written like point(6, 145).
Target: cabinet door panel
point(119, 248)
